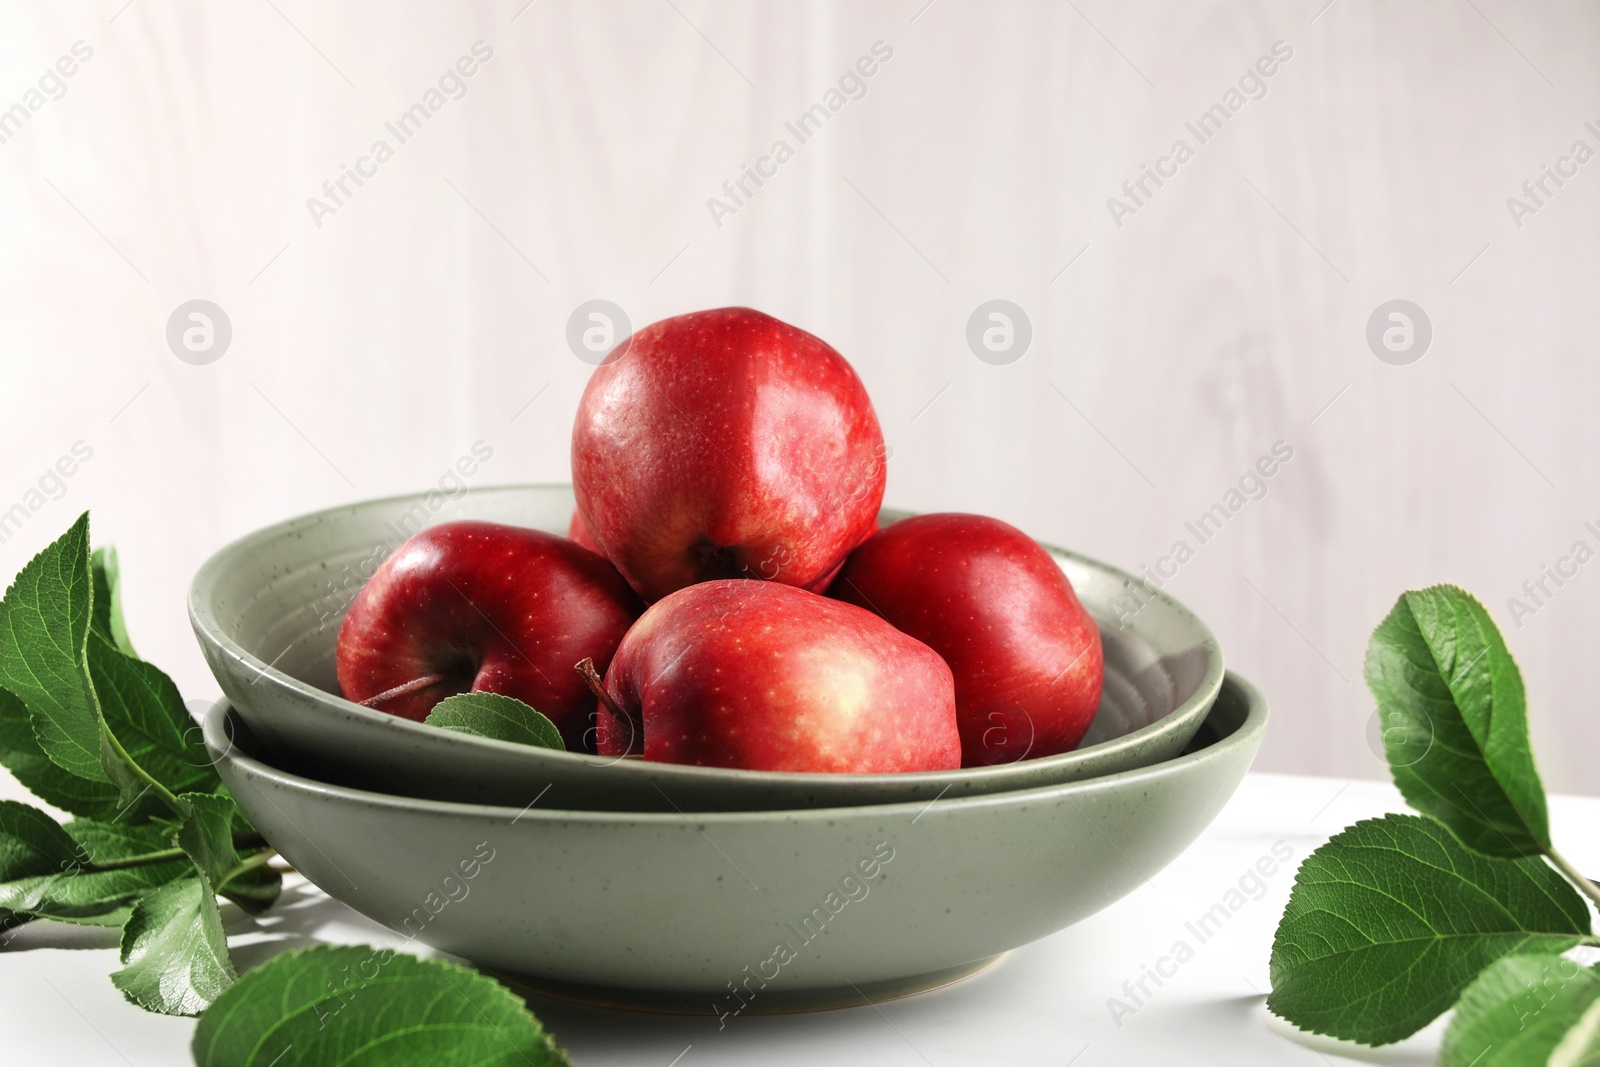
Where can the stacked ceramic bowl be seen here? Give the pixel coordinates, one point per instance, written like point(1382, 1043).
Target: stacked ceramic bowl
point(693, 888)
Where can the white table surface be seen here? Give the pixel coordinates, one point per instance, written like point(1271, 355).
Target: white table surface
point(1044, 1004)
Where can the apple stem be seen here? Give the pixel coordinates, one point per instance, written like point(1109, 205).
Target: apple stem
point(401, 690)
point(597, 685)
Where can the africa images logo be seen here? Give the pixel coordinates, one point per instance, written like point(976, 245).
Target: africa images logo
point(851, 85)
point(50, 86)
point(1252, 85)
point(451, 85)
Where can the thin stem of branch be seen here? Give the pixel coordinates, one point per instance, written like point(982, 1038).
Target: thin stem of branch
point(170, 799)
point(250, 862)
point(167, 855)
point(1582, 884)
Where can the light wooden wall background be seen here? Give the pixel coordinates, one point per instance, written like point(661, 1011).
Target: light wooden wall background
point(1227, 314)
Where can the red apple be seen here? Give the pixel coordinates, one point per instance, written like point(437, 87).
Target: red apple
point(1025, 654)
point(479, 607)
point(577, 531)
point(726, 444)
point(764, 676)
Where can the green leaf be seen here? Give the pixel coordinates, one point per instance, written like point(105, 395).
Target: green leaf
point(83, 895)
point(1391, 919)
point(207, 837)
point(1520, 1010)
point(360, 1006)
point(44, 622)
point(32, 843)
point(499, 717)
point(114, 917)
point(107, 842)
point(106, 618)
point(144, 710)
point(47, 658)
point(73, 894)
point(21, 755)
point(1455, 722)
point(174, 952)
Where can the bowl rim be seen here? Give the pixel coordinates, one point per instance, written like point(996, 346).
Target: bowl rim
point(206, 626)
point(1248, 734)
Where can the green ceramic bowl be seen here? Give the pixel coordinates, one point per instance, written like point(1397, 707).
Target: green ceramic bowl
point(807, 907)
point(267, 609)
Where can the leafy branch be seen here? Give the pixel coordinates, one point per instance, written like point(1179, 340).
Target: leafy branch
point(1396, 920)
point(93, 730)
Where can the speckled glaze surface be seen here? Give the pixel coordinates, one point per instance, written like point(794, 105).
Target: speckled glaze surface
point(267, 608)
point(792, 908)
